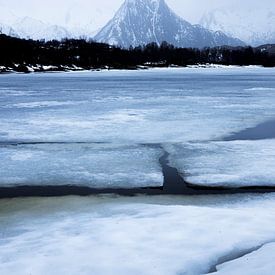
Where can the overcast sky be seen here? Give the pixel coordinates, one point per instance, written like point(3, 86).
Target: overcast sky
point(98, 12)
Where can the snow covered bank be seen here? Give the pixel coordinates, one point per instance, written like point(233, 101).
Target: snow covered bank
point(141, 235)
point(220, 66)
point(23, 68)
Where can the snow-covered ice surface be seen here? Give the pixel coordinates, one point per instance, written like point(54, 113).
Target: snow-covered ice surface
point(190, 109)
point(154, 106)
point(91, 165)
point(258, 262)
point(139, 235)
point(231, 163)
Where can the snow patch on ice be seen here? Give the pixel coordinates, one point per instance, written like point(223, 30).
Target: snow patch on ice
point(42, 104)
point(260, 89)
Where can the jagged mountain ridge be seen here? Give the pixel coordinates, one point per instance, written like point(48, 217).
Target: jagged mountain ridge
point(139, 22)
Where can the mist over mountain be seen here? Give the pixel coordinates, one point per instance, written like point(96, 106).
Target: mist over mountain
point(255, 26)
point(139, 22)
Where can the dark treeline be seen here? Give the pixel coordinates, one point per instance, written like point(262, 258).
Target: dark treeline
point(17, 54)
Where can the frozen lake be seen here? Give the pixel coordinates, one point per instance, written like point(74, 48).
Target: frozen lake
point(126, 130)
point(93, 128)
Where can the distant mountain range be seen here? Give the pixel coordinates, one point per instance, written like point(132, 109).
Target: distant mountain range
point(31, 28)
point(26, 27)
point(143, 21)
point(254, 26)
point(139, 22)
point(5, 29)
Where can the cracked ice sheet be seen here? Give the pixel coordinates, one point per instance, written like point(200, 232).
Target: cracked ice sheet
point(255, 263)
point(91, 165)
point(141, 235)
point(226, 164)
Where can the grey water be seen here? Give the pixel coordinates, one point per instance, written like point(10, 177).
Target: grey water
point(265, 130)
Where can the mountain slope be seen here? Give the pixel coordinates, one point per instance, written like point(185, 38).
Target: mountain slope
point(140, 22)
point(242, 24)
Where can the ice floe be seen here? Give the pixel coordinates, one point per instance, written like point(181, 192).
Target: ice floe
point(91, 165)
point(226, 164)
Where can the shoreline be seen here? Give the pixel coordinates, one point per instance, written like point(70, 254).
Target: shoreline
point(30, 69)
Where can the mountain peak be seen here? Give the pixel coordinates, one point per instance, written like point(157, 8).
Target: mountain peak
point(139, 22)
point(146, 2)
point(141, 5)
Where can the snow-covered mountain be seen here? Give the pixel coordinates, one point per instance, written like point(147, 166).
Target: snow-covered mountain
point(27, 27)
point(5, 29)
point(35, 29)
point(6, 19)
point(30, 28)
point(140, 22)
point(255, 26)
